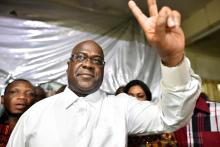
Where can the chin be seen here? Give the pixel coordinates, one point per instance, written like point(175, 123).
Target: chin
point(87, 90)
point(86, 86)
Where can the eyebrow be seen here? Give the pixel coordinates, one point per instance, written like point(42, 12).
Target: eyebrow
point(81, 52)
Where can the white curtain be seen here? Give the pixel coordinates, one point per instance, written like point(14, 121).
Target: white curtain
point(36, 39)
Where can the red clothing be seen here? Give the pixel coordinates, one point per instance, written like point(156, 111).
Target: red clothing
point(5, 130)
point(203, 128)
point(4, 134)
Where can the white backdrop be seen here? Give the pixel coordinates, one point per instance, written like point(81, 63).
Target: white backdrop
point(36, 39)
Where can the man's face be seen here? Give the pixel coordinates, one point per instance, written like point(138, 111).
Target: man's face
point(19, 97)
point(86, 68)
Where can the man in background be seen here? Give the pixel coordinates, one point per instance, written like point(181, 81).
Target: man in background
point(19, 95)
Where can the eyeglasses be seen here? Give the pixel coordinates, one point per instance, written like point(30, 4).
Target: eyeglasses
point(81, 57)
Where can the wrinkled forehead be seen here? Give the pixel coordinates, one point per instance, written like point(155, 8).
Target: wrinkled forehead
point(88, 47)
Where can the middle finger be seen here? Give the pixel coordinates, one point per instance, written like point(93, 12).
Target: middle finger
point(152, 7)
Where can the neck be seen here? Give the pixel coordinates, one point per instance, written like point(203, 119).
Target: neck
point(13, 118)
point(10, 118)
point(81, 93)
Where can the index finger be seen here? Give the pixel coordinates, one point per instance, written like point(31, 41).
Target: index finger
point(152, 7)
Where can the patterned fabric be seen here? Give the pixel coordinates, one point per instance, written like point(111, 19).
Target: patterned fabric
point(4, 134)
point(203, 128)
point(160, 140)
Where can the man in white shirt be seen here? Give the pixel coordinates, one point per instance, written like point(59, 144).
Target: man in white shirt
point(84, 116)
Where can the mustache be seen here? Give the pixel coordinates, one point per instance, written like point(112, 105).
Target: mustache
point(85, 72)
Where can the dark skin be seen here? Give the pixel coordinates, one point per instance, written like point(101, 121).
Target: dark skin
point(162, 30)
point(17, 99)
point(85, 77)
point(138, 92)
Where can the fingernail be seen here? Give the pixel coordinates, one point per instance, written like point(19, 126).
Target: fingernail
point(177, 23)
point(171, 22)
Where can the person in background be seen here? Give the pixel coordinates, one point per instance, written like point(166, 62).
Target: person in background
point(85, 116)
point(141, 92)
point(19, 95)
point(61, 89)
point(40, 93)
point(138, 89)
point(120, 90)
point(203, 130)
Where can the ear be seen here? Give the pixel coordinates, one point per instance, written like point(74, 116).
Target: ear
point(68, 64)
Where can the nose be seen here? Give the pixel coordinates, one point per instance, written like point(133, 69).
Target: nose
point(88, 60)
point(22, 96)
point(87, 63)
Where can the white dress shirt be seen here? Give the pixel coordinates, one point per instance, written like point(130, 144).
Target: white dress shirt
point(99, 120)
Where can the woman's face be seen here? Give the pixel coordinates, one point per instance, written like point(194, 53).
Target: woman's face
point(137, 92)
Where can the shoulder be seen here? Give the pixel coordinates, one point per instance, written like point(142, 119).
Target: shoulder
point(43, 106)
point(46, 102)
point(119, 98)
point(122, 99)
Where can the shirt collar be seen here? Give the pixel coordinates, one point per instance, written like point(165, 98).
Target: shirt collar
point(91, 98)
point(201, 105)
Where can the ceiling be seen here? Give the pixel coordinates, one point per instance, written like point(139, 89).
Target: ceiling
point(208, 43)
point(192, 11)
point(119, 7)
point(200, 21)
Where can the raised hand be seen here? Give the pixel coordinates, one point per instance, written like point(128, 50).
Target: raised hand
point(162, 30)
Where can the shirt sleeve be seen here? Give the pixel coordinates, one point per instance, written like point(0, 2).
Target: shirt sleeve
point(180, 89)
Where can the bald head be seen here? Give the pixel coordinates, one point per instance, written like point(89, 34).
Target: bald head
point(88, 44)
point(86, 68)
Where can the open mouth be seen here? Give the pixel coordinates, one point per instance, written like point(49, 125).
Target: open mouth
point(20, 106)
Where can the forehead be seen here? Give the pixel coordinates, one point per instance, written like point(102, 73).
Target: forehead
point(135, 88)
point(20, 84)
point(90, 48)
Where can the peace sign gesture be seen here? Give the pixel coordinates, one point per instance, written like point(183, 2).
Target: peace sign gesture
point(162, 30)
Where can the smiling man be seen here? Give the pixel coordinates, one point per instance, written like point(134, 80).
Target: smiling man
point(86, 68)
point(85, 116)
